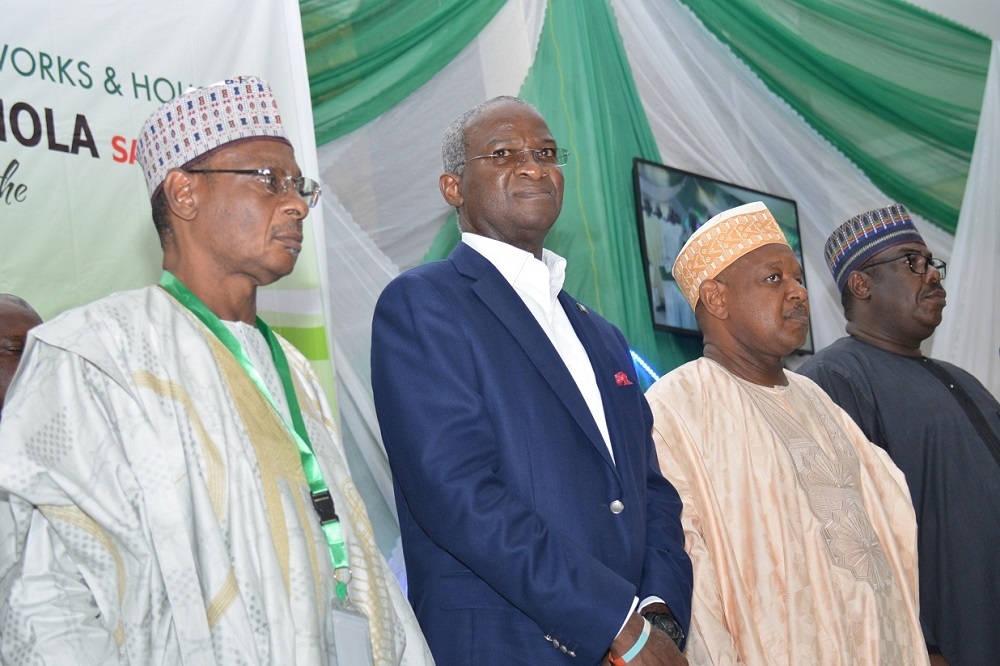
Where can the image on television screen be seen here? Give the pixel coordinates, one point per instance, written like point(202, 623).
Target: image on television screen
point(670, 204)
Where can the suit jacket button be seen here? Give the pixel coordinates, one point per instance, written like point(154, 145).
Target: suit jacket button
point(617, 507)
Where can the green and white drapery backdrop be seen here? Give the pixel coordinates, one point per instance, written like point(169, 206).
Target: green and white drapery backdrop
point(842, 106)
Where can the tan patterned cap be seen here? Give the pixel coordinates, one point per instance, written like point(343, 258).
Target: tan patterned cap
point(721, 241)
point(197, 122)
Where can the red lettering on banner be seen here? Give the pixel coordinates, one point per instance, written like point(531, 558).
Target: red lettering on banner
point(121, 155)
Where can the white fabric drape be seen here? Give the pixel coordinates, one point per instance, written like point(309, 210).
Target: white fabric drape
point(970, 333)
point(382, 209)
point(711, 114)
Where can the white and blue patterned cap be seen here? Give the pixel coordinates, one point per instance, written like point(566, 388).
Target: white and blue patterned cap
point(201, 120)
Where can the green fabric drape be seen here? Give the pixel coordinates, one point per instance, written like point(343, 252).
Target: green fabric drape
point(895, 88)
point(364, 56)
point(582, 84)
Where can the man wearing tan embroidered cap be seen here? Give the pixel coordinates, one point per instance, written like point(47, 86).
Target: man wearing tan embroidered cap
point(174, 488)
point(800, 531)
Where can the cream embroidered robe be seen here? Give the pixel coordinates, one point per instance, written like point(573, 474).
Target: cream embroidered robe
point(800, 531)
point(156, 511)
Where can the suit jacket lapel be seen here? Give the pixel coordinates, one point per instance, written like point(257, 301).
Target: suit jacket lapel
point(499, 296)
point(604, 372)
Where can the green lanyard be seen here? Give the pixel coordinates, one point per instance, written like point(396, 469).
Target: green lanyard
point(322, 501)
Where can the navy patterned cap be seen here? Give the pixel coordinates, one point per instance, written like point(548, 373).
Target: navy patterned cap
point(863, 236)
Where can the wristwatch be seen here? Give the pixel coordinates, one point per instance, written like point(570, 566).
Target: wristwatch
point(667, 623)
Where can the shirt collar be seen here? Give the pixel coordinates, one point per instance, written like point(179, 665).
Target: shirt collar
point(520, 268)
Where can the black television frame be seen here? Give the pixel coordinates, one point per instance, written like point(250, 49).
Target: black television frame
point(674, 200)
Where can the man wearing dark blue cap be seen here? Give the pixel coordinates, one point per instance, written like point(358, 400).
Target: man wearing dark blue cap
point(939, 424)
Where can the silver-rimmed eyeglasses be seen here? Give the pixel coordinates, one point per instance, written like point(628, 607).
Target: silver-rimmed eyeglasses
point(505, 157)
point(917, 262)
point(276, 182)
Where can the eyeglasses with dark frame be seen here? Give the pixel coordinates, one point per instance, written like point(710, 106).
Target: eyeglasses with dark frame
point(505, 157)
point(275, 182)
point(917, 262)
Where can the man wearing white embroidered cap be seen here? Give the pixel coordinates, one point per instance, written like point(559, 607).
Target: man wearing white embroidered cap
point(800, 531)
point(175, 490)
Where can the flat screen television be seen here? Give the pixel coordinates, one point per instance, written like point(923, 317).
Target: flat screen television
point(670, 204)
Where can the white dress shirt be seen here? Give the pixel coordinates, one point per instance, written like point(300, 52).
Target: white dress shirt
point(538, 283)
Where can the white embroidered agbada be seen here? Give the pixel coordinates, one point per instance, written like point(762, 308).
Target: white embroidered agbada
point(801, 532)
point(157, 509)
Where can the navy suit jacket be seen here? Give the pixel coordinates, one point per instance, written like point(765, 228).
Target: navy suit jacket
point(503, 482)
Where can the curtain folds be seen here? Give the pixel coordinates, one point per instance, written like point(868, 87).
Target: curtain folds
point(582, 84)
point(897, 89)
point(711, 114)
point(969, 335)
point(382, 209)
point(367, 55)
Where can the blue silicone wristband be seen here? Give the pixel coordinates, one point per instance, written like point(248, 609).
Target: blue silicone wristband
point(639, 644)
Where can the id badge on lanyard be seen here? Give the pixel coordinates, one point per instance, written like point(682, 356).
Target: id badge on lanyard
point(351, 635)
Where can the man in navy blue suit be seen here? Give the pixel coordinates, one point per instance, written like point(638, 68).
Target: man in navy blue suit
point(536, 526)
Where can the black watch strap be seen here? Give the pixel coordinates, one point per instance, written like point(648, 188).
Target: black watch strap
point(668, 624)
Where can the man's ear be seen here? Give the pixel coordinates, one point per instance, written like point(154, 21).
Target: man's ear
point(451, 189)
point(712, 295)
point(859, 285)
point(178, 187)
